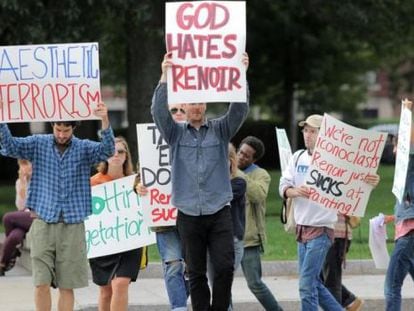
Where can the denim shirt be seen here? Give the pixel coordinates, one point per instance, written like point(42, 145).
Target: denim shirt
point(199, 158)
point(405, 209)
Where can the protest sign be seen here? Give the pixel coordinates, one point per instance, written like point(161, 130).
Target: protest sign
point(344, 155)
point(283, 145)
point(117, 222)
point(56, 82)
point(207, 40)
point(155, 167)
point(403, 152)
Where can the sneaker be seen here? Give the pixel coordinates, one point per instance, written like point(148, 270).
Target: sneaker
point(356, 305)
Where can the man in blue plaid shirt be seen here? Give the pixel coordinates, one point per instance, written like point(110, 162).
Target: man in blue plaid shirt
point(59, 198)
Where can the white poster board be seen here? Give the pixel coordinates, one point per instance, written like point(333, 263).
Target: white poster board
point(51, 82)
point(207, 40)
point(344, 155)
point(117, 222)
point(283, 145)
point(155, 167)
point(403, 153)
point(377, 242)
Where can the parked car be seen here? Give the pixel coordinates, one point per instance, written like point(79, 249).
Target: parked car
point(388, 155)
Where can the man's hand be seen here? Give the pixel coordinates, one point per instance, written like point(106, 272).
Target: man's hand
point(245, 60)
point(372, 180)
point(166, 63)
point(101, 111)
point(296, 192)
point(388, 218)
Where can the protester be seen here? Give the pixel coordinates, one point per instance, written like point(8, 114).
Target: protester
point(17, 223)
point(258, 180)
point(169, 243)
point(335, 259)
point(113, 273)
point(314, 224)
point(238, 213)
point(402, 257)
point(60, 200)
point(201, 190)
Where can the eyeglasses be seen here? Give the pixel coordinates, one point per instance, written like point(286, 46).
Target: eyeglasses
point(175, 110)
point(121, 151)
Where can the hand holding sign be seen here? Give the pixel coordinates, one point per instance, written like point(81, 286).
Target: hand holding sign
point(141, 189)
point(372, 180)
point(101, 111)
point(407, 103)
point(166, 63)
point(245, 60)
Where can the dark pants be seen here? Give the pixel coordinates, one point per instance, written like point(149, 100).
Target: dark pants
point(332, 272)
point(215, 234)
point(16, 225)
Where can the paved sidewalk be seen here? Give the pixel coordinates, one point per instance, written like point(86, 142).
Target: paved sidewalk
point(148, 293)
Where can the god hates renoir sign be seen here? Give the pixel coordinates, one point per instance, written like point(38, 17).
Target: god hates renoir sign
point(344, 155)
point(49, 82)
point(207, 40)
point(117, 222)
point(155, 167)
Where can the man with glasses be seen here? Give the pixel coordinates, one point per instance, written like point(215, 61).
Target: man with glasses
point(201, 190)
point(314, 224)
point(169, 242)
point(178, 112)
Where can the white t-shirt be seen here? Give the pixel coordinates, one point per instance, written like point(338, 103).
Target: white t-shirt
point(306, 212)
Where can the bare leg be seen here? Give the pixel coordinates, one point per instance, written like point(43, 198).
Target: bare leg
point(43, 300)
point(120, 294)
point(66, 300)
point(105, 296)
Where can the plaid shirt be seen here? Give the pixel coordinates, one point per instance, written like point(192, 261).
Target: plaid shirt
point(60, 185)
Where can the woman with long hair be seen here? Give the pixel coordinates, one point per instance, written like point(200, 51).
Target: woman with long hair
point(113, 273)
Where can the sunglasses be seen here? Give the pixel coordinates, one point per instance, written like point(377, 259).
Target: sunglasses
point(175, 110)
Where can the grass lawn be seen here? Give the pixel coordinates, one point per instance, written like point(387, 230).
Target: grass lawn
point(281, 245)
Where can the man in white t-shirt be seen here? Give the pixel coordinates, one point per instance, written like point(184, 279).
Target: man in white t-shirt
point(314, 224)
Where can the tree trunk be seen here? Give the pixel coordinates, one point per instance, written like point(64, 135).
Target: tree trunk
point(145, 48)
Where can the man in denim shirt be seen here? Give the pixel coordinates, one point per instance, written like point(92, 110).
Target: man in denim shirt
point(201, 190)
point(59, 198)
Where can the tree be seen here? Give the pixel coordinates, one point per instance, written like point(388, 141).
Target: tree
point(321, 49)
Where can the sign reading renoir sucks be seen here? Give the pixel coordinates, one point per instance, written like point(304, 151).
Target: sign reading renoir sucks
point(344, 155)
point(207, 40)
point(154, 160)
point(116, 223)
point(49, 82)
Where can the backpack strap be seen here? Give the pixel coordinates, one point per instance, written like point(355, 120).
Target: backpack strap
point(283, 214)
point(297, 159)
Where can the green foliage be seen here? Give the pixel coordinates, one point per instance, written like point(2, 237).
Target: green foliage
point(321, 49)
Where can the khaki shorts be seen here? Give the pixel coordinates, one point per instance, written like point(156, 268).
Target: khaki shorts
point(58, 253)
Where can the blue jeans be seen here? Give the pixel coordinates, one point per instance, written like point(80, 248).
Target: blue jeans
point(311, 289)
point(401, 263)
point(252, 270)
point(171, 252)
